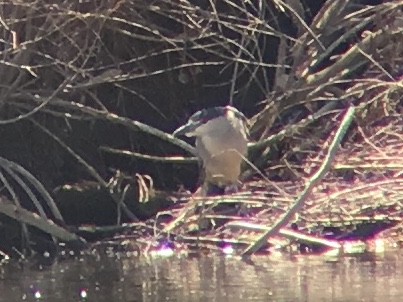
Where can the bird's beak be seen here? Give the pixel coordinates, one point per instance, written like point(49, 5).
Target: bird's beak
point(187, 129)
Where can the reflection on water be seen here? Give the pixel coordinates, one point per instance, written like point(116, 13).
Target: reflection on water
point(367, 277)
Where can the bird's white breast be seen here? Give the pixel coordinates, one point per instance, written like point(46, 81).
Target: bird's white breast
point(222, 145)
point(221, 134)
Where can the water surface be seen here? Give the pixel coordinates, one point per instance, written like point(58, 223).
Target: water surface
point(368, 277)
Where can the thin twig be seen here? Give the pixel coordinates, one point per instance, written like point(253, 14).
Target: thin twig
point(36, 184)
point(33, 219)
point(91, 170)
point(314, 180)
point(162, 159)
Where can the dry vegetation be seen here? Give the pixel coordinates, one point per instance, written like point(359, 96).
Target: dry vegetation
point(87, 85)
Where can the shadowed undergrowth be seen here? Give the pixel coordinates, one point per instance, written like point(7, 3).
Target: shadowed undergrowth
point(90, 93)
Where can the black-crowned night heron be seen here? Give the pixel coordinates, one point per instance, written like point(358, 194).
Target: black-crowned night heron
point(221, 143)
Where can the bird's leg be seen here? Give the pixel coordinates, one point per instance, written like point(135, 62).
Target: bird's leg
point(242, 210)
point(210, 189)
point(231, 189)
